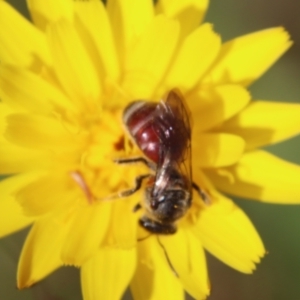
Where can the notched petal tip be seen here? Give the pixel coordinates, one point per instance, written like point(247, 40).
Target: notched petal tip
point(107, 274)
point(21, 286)
point(256, 52)
point(41, 252)
point(285, 36)
point(227, 233)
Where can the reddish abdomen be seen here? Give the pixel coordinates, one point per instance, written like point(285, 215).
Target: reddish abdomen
point(154, 131)
point(138, 118)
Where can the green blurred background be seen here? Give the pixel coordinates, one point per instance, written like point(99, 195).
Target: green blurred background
point(278, 276)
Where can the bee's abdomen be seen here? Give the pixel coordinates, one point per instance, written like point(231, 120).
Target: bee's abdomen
point(142, 126)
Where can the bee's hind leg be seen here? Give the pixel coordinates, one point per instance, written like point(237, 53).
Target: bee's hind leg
point(201, 193)
point(133, 160)
point(138, 184)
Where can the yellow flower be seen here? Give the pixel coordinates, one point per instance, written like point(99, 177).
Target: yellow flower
point(64, 83)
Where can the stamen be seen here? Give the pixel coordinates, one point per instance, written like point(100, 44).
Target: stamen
point(78, 178)
point(120, 144)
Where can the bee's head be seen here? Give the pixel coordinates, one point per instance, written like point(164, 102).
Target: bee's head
point(168, 206)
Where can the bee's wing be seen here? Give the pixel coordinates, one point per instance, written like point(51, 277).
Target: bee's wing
point(175, 151)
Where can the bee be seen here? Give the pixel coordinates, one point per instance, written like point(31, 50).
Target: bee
point(162, 131)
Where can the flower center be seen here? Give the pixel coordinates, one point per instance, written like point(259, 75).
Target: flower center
point(97, 175)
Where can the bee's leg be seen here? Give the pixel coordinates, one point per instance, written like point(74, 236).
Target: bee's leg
point(201, 193)
point(138, 184)
point(133, 160)
point(137, 207)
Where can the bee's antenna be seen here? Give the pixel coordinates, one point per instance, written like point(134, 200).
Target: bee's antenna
point(167, 257)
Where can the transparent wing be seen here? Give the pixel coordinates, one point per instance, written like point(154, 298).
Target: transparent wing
point(175, 136)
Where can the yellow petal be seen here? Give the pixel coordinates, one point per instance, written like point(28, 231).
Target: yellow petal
point(123, 233)
point(154, 278)
point(97, 30)
point(228, 234)
point(21, 43)
point(54, 10)
point(32, 130)
point(22, 89)
point(129, 19)
point(72, 64)
point(216, 150)
point(50, 192)
point(187, 256)
point(264, 122)
point(189, 12)
point(5, 110)
point(11, 214)
point(149, 58)
point(246, 58)
point(41, 253)
point(108, 273)
point(260, 175)
point(196, 54)
point(14, 159)
point(210, 107)
point(88, 228)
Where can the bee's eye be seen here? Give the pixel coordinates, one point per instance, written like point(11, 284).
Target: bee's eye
point(154, 204)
